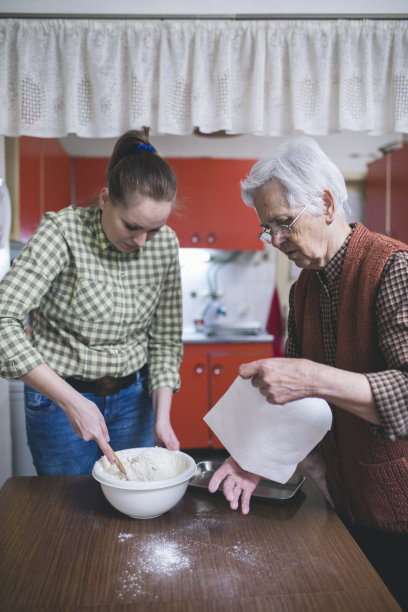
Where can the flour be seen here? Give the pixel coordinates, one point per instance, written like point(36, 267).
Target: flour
point(150, 464)
point(150, 559)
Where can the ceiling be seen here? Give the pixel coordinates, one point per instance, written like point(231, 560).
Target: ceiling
point(351, 151)
point(241, 9)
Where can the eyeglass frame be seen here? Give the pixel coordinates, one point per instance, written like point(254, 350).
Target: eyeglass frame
point(279, 227)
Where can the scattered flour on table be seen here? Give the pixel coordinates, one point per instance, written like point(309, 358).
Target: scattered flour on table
point(154, 557)
point(151, 464)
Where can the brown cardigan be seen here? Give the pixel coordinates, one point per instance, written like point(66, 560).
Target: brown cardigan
point(367, 475)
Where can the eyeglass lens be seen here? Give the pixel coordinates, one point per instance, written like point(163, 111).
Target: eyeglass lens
point(279, 230)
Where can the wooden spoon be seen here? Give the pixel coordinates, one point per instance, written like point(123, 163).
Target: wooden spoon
point(119, 463)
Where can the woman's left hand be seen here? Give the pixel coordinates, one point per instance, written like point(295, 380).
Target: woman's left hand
point(164, 436)
point(162, 430)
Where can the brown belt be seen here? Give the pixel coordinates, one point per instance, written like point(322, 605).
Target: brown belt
point(106, 385)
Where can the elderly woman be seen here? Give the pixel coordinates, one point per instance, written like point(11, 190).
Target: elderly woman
point(347, 343)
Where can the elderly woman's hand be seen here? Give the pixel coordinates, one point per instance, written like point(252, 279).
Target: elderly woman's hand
point(237, 483)
point(281, 380)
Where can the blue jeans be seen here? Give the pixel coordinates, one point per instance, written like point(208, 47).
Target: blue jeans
point(58, 450)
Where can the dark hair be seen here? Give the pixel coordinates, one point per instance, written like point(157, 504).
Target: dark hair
point(135, 166)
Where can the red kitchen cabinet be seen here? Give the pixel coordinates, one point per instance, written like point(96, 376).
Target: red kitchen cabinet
point(45, 181)
point(190, 403)
point(233, 225)
point(398, 194)
point(187, 220)
point(30, 164)
point(206, 373)
point(89, 173)
point(211, 212)
point(386, 210)
point(376, 198)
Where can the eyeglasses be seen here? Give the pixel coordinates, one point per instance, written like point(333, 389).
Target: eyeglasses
point(279, 230)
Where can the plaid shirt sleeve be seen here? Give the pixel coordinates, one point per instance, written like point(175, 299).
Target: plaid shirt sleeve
point(165, 346)
point(390, 387)
point(21, 291)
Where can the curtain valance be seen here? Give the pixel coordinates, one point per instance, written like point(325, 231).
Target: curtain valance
point(97, 78)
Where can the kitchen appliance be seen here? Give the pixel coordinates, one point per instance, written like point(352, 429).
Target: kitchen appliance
point(233, 328)
point(5, 223)
point(5, 439)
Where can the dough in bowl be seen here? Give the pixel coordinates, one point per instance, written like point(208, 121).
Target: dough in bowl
point(150, 464)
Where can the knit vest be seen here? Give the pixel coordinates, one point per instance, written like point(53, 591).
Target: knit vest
point(367, 475)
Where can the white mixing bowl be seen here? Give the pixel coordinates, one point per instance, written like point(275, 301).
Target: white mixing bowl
point(146, 499)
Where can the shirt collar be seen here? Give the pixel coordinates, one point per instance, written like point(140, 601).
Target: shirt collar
point(332, 271)
point(96, 227)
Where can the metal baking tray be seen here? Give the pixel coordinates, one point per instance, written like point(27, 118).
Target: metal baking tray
point(266, 489)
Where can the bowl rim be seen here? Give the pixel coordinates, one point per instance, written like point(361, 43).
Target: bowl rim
point(145, 485)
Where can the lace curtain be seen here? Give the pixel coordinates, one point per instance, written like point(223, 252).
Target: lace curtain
point(97, 78)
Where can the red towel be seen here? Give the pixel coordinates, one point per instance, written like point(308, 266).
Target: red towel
point(276, 325)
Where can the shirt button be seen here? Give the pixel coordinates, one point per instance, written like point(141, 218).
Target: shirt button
point(124, 322)
point(122, 274)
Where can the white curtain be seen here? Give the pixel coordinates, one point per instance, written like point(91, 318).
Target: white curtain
point(97, 78)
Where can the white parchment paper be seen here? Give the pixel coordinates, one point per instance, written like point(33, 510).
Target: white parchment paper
point(267, 439)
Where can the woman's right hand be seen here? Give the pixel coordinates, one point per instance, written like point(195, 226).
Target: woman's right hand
point(83, 415)
point(88, 422)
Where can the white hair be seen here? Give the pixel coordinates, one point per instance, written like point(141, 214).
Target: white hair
point(304, 171)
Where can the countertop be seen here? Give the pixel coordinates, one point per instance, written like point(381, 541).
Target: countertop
point(63, 547)
point(190, 336)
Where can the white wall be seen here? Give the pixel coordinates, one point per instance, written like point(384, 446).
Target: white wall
point(245, 281)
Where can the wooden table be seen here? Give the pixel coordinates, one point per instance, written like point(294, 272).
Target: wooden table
point(63, 547)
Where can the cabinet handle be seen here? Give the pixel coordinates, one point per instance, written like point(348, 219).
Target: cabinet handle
point(217, 369)
point(211, 238)
point(199, 368)
point(195, 238)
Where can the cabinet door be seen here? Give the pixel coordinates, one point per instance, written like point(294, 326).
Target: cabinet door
point(230, 224)
point(187, 219)
point(45, 181)
point(224, 370)
point(89, 178)
point(30, 162)
point(57, 168)
point(376, 189)
point(398, 194)
point(190, 403)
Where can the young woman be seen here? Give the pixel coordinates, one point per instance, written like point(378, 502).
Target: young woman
point(103, 285)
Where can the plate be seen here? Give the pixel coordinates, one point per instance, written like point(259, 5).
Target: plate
point(266, 489)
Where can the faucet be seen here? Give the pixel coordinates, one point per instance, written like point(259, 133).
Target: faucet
point(213, 311)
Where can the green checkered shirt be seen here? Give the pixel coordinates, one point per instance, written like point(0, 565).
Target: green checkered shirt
point(97, 311)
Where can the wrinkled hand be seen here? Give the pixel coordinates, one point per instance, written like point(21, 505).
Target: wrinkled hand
point(164, 435)
point(280, 380)
point(87, 421)
point(238, 483)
